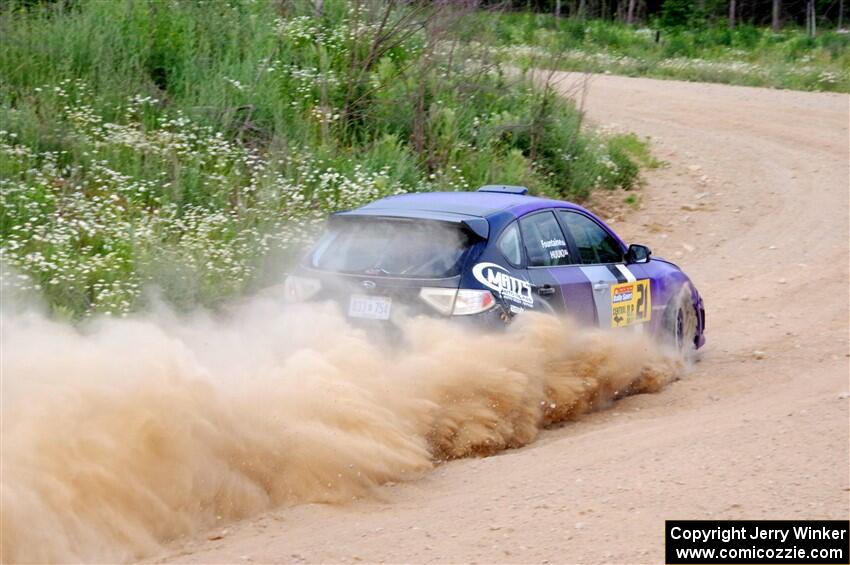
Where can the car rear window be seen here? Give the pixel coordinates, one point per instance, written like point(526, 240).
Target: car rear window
point(400, 248)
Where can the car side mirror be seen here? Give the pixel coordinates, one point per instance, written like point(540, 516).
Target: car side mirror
point(638, 254)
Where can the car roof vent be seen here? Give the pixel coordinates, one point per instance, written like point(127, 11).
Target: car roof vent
point(504, 189)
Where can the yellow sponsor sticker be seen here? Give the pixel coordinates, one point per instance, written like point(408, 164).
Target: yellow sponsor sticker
point(631, 303)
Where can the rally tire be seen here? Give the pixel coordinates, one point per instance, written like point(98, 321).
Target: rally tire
point(680, 322)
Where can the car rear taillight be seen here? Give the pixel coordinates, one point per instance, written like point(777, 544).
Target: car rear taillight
point(473, 302)
point(441, 299)
point(299, 289)
point(463, 302)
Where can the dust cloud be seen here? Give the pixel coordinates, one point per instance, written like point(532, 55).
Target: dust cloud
point(122, 435)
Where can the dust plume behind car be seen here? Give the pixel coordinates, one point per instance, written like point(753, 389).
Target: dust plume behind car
point(122, 435)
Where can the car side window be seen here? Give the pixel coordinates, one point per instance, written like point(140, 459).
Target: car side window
point(509, 245)
point(595, 244)
point(544, 241)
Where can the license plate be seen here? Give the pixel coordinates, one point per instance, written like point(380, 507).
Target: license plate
point(370, 307)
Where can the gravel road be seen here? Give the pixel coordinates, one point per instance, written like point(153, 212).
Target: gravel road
point(753, 204)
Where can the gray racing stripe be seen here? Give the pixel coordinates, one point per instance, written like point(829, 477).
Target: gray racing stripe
point(601, 279)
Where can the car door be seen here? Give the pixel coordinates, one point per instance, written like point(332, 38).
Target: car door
point(559, 284)
point(501, 270)
point(621, 296)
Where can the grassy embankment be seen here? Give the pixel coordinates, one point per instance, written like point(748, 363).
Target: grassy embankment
point(745, 55)
point(180, 146)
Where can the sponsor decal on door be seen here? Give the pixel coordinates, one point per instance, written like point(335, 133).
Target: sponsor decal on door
point(496, 278)
point(631, 303)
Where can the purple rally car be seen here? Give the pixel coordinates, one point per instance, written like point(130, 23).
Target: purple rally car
point(486, 256)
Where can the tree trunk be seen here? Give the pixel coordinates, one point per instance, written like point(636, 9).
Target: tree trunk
point(557, 8)
point(814, 20)
point(630, 17)
point(811, 27)
point(732, 14)
point(774, 22)
point(582, 8)
point(840, 14)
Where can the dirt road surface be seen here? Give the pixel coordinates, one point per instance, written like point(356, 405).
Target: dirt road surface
point(754, 206)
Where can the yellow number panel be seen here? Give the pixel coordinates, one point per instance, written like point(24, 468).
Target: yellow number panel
point(631, 303)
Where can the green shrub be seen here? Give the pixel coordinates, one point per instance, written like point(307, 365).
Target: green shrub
point(836, 43)
point(746, 37)
point(692, 50)
point(178, 144)
point(677, 45)
point(573, 32)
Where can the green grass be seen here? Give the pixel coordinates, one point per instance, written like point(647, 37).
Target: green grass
point(746, 55)
point(188, 146)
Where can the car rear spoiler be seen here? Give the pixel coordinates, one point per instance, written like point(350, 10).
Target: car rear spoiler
point(474, 224)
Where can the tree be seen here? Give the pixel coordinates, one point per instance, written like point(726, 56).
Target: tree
point(810, 18)
point(774, 21)
point(677, 13)
point(732, 8)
